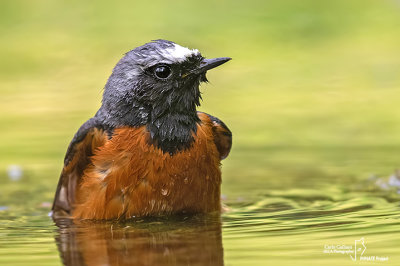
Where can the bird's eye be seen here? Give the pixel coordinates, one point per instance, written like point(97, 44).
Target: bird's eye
point(162, 71)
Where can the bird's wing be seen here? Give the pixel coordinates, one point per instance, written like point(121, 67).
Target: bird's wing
point(222, 136)
point(89, 137)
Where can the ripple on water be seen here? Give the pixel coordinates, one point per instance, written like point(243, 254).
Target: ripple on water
point(303, 211)
point(282, 227)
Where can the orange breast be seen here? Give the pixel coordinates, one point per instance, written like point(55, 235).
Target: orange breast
point(129, 177)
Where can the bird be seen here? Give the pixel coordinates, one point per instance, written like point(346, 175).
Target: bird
point(147, 151)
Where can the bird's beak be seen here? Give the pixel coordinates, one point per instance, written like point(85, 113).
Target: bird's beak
point(208, 64)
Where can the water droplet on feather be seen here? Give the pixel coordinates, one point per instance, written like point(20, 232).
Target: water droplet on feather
point(164, 192)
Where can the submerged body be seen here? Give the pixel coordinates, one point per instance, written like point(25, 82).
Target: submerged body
point(134, 162)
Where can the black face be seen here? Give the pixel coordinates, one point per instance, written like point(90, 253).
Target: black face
point(181, 70)
point(156, 85)
point(170, 87)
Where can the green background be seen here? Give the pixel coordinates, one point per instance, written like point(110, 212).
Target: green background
point(311, 96)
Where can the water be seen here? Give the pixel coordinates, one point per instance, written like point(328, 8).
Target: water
point(288, 209)
point(311, 98)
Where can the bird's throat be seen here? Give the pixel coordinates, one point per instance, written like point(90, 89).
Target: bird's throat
point(173, 132)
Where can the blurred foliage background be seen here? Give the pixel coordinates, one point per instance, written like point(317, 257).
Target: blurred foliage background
point(311, 96)
point(313, 86)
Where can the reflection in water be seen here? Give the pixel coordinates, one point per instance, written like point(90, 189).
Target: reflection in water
point(164, 241)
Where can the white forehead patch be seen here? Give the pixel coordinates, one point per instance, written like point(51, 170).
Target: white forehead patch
point(178, 53)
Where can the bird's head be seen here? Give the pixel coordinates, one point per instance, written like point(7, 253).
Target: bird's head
point(156, 79)
point(157, 85)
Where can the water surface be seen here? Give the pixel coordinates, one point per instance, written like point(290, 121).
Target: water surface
point(293, 215)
